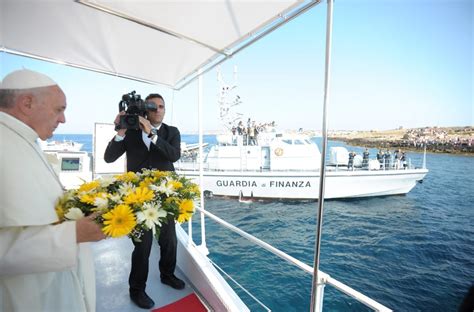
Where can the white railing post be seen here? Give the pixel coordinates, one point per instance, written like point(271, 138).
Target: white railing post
point(203, 246)
point(319, 295)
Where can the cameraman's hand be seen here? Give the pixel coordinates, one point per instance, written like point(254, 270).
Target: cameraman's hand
point(120, 132)
point(145, 124)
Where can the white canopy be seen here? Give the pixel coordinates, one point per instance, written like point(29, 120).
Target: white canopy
point(156, 41)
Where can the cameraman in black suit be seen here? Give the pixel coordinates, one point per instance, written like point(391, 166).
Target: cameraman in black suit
point(154, 146)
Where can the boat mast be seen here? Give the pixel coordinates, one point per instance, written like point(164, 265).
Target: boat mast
point(227, 99)
point(317, 289)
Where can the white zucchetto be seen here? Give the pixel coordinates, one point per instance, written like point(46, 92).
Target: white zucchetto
point(26, 79)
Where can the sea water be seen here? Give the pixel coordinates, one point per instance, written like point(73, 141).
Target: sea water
point(412, 252)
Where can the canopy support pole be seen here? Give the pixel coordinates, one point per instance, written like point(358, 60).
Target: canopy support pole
point(317, 290)
point(203, 245)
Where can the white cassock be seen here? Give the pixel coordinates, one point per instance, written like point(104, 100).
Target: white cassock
point(42, 268)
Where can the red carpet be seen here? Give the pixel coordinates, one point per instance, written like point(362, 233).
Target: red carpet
point(189, 303)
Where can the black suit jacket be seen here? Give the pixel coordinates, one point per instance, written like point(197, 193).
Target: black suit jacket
point(161, 155)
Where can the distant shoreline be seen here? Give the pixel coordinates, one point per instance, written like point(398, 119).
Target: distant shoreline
point(448, 140)
point(385, 145)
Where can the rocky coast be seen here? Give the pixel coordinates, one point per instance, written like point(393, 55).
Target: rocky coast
point(451, 140)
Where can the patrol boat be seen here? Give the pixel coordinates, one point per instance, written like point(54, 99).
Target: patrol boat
point(285, 165)
point(186, 50)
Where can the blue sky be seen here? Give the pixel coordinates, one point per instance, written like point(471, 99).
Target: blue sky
point(394, 63)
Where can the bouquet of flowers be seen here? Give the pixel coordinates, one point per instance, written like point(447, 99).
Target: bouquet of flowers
point(131, 203)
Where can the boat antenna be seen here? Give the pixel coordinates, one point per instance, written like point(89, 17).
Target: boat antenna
point(227, 100)
point(317, 289)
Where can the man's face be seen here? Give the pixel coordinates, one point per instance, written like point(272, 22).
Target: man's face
point(48, 111)
point(156, 117)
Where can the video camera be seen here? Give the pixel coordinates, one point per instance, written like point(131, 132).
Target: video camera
point(134, 107)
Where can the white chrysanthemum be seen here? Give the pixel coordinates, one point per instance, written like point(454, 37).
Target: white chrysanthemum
point(101, 202)
point(106, 181)
point(74, 214)
point(151, 215)
point(145, 172)
point(117, 198)
point(126, 188)
point(164, 188)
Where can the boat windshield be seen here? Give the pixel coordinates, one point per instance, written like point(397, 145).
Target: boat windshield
point(295, 141)
point(70, 164)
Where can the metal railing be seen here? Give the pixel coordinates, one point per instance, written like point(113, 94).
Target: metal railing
point(323, 277)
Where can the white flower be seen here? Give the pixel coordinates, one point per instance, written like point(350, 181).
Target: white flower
point(151, 215)
point(106, 181)
point(101, 202)
point(126, 188)
point(74, 214)
point(145, 173)
point(164, 188)
point(117, 198)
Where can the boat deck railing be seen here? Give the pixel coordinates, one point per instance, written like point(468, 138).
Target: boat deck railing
point(323, 277)
point(193, 165)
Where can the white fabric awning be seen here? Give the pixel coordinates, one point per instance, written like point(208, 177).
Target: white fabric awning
point(164, 42)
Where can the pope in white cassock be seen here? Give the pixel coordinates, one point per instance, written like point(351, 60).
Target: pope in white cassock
point(44, 266)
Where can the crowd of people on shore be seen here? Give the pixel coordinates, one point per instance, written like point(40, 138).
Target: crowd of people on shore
point(439, 138)
point(435, 139)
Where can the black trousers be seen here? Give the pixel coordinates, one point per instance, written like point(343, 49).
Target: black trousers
point(167, 264)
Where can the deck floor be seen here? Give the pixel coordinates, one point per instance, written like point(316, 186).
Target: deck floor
point(112, 259)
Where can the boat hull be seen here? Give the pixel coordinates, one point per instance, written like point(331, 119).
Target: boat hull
point(305, 185)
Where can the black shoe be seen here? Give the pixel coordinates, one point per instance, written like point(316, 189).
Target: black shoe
point(142, 300)
point(172, 281)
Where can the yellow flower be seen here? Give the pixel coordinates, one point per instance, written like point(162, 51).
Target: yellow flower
point(59, 211)
point(160, 174)
point(140, 195)
point(147, 181)
point(87, 198)
point(186, 210)
point(170, 200)
point(61, 204)
point(175, 184)
point(195, 189)
point(128, 177)
point(87, 187)
point(119, 221)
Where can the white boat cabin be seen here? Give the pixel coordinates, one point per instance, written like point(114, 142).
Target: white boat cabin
point(273, 151)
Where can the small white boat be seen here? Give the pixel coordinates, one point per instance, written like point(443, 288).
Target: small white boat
point(72, 165)
point(53, 146)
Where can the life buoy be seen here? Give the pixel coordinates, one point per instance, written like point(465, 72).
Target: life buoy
point(279, 151)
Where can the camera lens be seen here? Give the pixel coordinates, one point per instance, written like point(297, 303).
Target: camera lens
point(129, 122)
